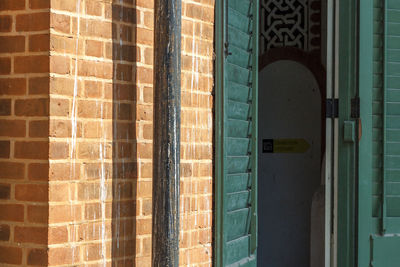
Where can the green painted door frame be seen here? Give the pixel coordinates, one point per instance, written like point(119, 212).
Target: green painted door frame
point(347, 83)
point(365, 76)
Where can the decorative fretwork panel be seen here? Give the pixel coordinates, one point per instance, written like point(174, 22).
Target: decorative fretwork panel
point(290, 23)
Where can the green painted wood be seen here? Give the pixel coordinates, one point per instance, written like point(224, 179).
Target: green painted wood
point(238, 110)
point(238, 200)
point(380, 222)
point(238, 224)
point(239, 147)
point(238, 92)
point(239, 57)
point(237, 182)
point(236, 144)
point(386, 251)
point(242, 6)
point(238, 250)
point(238, 128)
point(220, 180)
point(348, 78)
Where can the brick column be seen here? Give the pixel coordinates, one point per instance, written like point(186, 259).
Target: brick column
point(76, 132)
point(24, 141)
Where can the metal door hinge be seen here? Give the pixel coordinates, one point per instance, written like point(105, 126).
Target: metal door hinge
point(227, 53)
point(355, 108)
point(332, 108)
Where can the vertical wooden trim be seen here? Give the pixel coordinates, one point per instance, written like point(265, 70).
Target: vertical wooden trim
point(347, 152)
point(384, 65)
point(218, 159)
point(254, 163)
point(365, 77)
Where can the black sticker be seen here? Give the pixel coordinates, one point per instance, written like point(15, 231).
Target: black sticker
point(268, 146)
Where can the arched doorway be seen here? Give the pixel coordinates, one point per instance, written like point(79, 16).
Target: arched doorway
point(291, 115)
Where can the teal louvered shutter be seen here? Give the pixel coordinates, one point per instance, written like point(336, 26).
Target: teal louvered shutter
point(236, 133)
point(379, 198)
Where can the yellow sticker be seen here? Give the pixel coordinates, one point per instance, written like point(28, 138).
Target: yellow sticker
point(286, 146)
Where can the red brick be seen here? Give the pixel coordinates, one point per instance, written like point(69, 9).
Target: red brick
point(145, 3)
point(64, 213)
point(12, 86)
point(58, 150)
point(94, 8)
point(39, 86)
point(10, 255)
point(12, 128)
point(31, 150)
point(32, 107)
point(39, 4)
point(5, 65)
point(65, 5)
point(11, 212)
point(95, 69)
point(144, 75)
point(145, 36)
point(94, 48)
point(93, 89)
point(60, 64)
point(4, 151)
point(38, 214)
point(12, 44)
point(35, 235)
point(39, 128)
point(12, 170)
point(39, 42)
point(124, 72)
point(58, 235)
point(64, 171)
point(4, 232)
point(31, 192)
point(59, 107)
point(5, 23)
point(31, 64)
point(6, 5)
point(37, 257)
point(38, 171)
point(94, 109)
point(124, 14)
point(63, 256)
point(60, 23)
point(125, 52)
point(95, 28)
point(5, 107)
point(5, 192)
point(33, 22)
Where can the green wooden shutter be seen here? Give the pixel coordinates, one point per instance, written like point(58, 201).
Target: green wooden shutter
point(236, 132)
point(379, 201)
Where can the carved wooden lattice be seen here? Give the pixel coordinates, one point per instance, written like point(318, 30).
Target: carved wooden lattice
point(290, 23)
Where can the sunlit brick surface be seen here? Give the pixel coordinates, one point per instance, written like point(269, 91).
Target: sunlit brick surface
point(76, 96)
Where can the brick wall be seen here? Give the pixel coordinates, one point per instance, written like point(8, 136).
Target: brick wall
point(24, 110)
point(77, 136)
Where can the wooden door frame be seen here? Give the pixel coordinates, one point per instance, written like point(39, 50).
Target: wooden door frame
point(347, 83)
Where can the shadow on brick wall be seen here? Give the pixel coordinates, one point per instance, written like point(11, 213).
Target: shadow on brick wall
point(124, 55)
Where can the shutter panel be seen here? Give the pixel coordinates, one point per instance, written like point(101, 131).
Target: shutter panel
point(237, 158)
point(386, 117)
point(384, 215)
point(391, 112)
